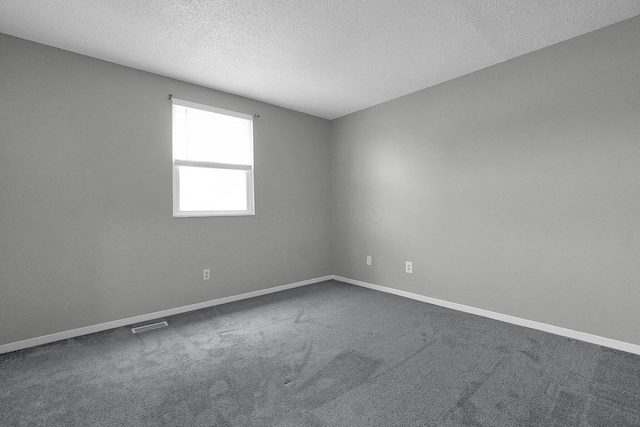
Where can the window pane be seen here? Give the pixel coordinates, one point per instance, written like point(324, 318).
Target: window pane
point(206, 189)
point(212, 137)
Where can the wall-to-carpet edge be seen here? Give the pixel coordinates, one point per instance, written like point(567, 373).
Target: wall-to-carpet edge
point(556, 330)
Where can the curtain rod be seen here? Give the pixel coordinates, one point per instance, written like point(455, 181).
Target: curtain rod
point(254, 115)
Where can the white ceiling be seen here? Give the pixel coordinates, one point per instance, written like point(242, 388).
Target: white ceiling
point(322, 57)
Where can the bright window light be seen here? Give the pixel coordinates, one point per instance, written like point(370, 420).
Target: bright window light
point(212, 161)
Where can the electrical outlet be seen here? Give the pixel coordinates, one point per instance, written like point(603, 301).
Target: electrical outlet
point(408, 267)
point(206, 274)
point(368, 259)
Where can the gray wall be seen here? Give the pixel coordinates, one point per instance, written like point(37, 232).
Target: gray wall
point(514, 189)
point(86, 228)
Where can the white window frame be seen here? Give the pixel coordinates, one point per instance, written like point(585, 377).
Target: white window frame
point(177, 213)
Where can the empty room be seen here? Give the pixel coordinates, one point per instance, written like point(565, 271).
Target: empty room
point(320, 213)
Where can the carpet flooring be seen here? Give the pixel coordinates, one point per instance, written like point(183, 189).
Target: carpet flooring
point(328, 354)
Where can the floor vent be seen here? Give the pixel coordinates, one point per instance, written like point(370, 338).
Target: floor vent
point(149, 327)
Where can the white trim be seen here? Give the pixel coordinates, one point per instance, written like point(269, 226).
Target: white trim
point(58, 336)
point(581, 336)
point(211, 165)
point(557, 330)
point(204, 214)
point(205, 107)
point(177, 213)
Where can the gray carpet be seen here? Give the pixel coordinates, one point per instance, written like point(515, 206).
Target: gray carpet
point(329, 354)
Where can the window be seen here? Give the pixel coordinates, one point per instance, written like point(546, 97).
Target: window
point(212, 161)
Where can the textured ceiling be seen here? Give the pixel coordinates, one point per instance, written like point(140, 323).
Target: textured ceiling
point(323, 57)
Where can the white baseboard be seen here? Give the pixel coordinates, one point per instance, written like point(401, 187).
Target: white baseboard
point(582, 336)
point(32, 342)
point(569, 333)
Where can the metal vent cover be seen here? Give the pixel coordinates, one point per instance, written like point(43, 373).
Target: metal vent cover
point(149, 327)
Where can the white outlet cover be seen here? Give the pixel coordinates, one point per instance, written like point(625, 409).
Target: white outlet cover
point(409, 267)
point(368, 260)
point(206, 274)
